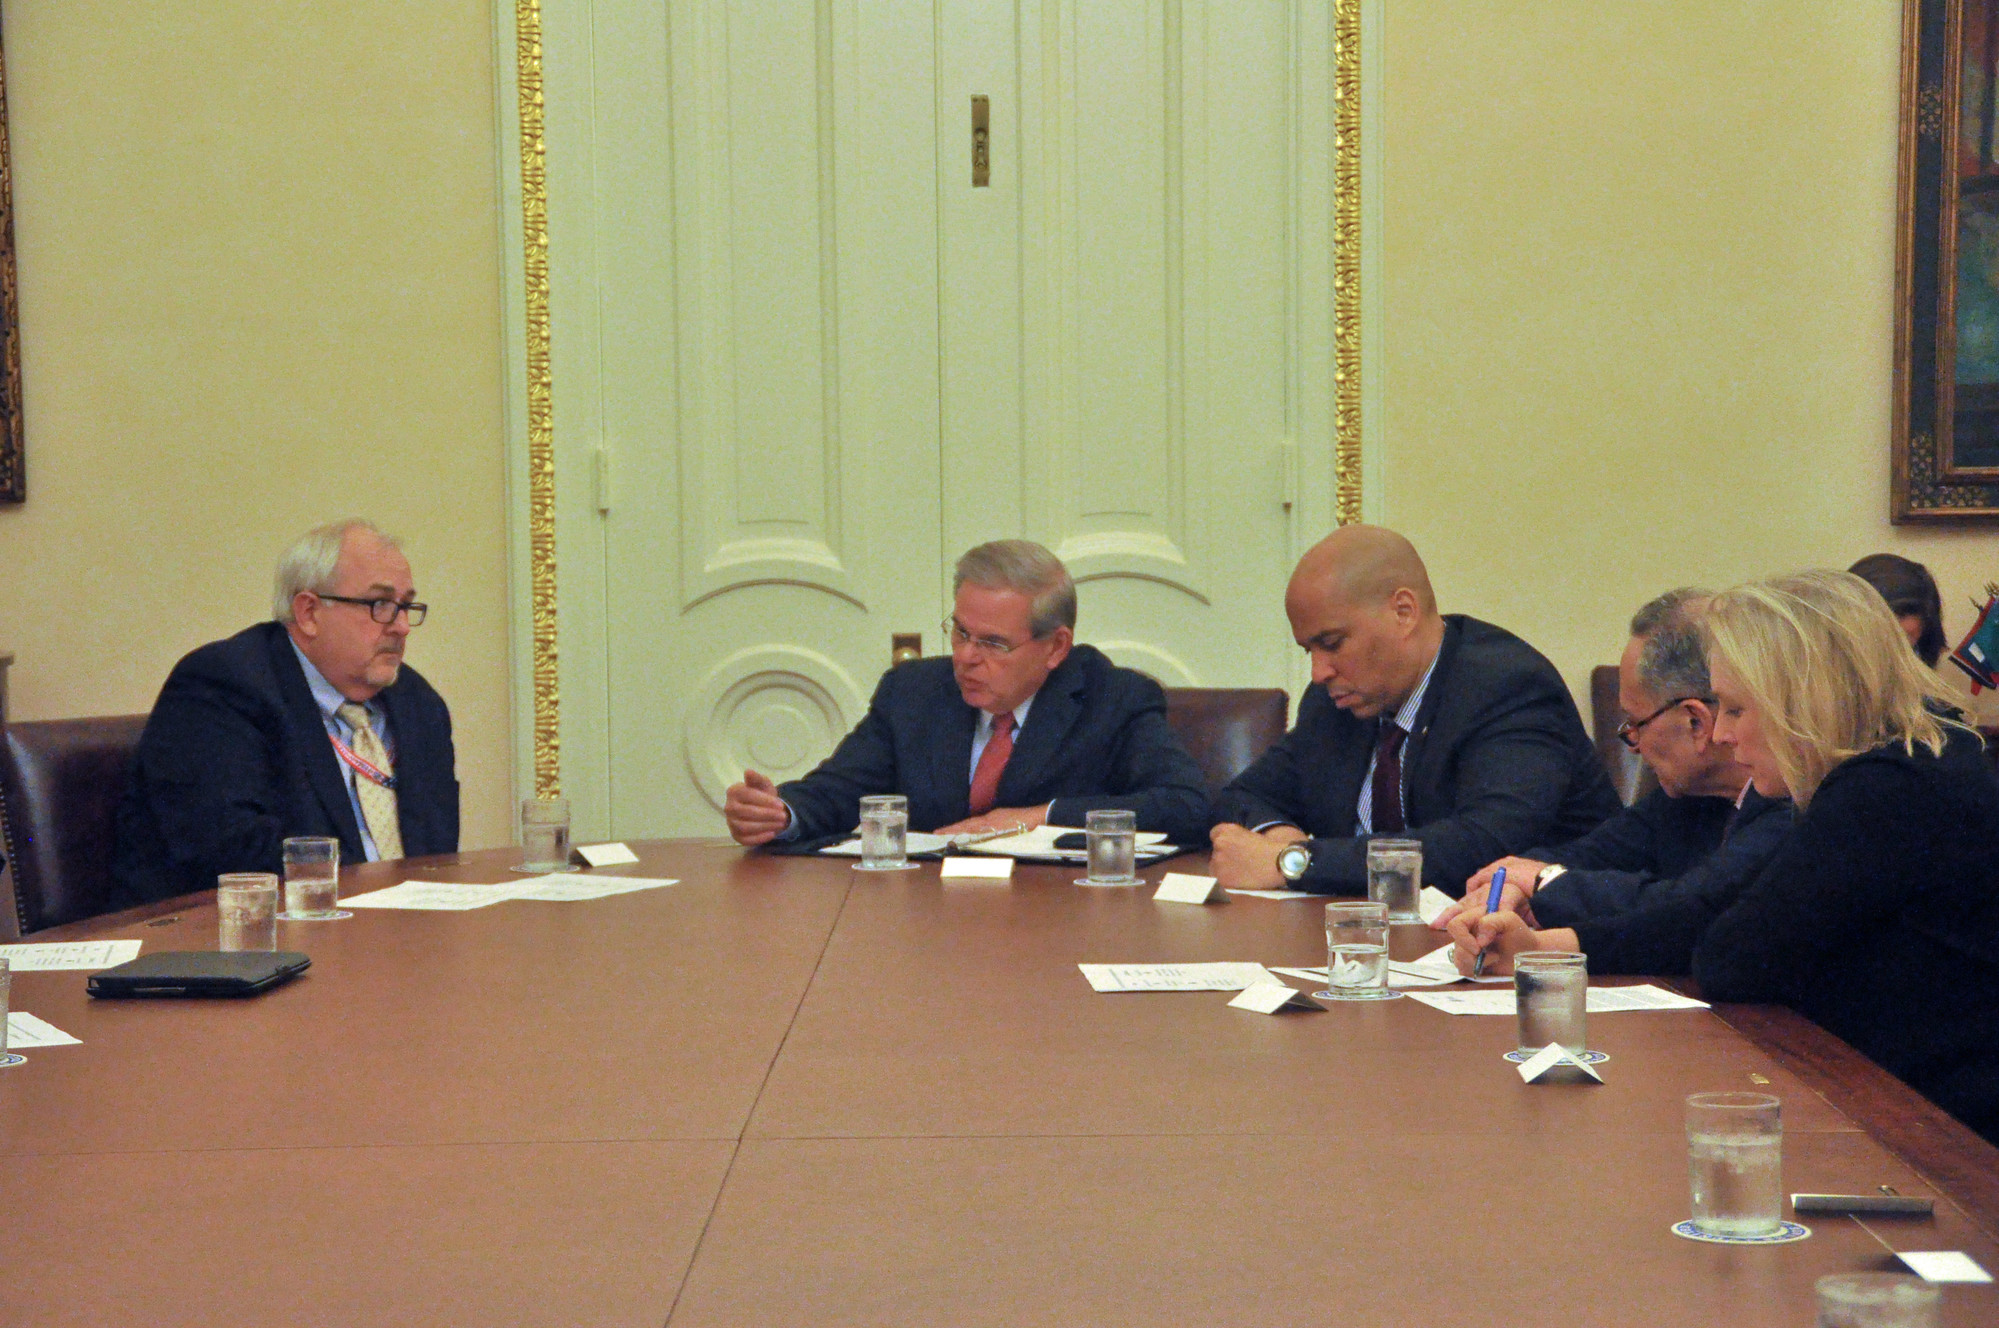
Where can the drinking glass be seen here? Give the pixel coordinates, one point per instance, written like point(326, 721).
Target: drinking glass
point(248, 905)
point(312, 880)
point(6, 986)
point(1357, 952)
point(544, 835)
point(1550, 998)
point(884, 833)
point(1878, 1300)
point(1735, 1145)
point(1395, 876)
point(1113, 842)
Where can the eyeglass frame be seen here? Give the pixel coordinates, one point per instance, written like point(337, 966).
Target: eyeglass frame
point(987, 645)
point(416, 610)
point(1627, 729)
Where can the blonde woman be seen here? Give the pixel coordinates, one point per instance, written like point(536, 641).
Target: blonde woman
point(1879, 918)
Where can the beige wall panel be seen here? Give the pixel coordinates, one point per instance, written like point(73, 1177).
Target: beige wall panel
point(259, 289)
point(1638, 310)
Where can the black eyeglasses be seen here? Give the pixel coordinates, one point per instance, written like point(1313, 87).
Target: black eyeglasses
point(1627, 731)
point(383, 611)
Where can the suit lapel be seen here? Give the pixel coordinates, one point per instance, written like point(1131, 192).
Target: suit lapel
point(1345, 773)
point(952, 776)
point(308, 736)
point(1040, 741)
point(1417, 778)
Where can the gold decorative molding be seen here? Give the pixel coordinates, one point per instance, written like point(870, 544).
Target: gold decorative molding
point(541, 405)
point(1346, 258)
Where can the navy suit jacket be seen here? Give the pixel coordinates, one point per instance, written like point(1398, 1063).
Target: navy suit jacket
point(1497, 761)
point(235, 759)
point(1096, 738)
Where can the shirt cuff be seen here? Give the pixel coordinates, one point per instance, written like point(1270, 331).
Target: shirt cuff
point(790, 831)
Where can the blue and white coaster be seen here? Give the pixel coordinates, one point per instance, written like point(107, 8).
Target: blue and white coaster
point(1519, 1057)
point(12, 1058)
point(1348, 994)
point(1785, 1233)
point(334, 916)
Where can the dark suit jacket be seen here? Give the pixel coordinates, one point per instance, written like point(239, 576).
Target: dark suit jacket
point(235, 759)
point(1095, 738)
point(1497, 760)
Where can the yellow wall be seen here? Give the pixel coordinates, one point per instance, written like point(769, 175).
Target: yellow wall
point(1638, 304)
point(259, 288)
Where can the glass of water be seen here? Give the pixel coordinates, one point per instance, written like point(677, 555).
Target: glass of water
point(312, 880)
point(1735, 1148)
point(1550, 998)
point(1395, 876)
point(1878, 1300)
point(1112, 837)
point(884, 833)
point(544, 835)
point(6, 987)
point(1357, 952)
point(248, 905)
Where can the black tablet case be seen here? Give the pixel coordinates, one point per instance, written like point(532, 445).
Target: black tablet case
point(199, 973)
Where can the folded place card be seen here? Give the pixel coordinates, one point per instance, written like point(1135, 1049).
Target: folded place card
point(977, 869)
point(1549, 1057)
point(1944, 1266)
point(1270, 997)
point(1185, 888)
point(606, 855)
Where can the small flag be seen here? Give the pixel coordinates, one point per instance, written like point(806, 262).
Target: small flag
point(1978, 653)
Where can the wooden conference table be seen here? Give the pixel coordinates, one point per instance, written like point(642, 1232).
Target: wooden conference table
point(783, 1092)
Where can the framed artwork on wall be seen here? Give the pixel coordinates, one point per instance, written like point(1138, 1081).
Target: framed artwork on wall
point(1946, 427)
point(13, 452)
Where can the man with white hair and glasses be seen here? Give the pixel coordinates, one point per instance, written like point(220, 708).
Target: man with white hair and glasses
point(1020, 726)
point(310, 724)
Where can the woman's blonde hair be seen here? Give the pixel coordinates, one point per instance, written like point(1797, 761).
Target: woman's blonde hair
point(1828, 670)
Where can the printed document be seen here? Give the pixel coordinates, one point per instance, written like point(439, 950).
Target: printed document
point(440, 896)
point(62, 956)
point(1175, 977)
point(25, 1031)
point(1599, 1000)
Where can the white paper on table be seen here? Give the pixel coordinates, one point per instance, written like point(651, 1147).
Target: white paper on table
point(606, 855)
point(1434, 969)
point(567, 887)
point(1175, 977)
point(976, 869)
point(1598, 1000)
point(1308, 974)
point(1040, 843)
point(1548, 1058)
point(1186, 888)
point(1271, 997)
point(916, 842)
point(1432, 902)
point(1277, 894)
point(68, 956)
point(441, 896)
point(25, 1031)
point(1944, 1266)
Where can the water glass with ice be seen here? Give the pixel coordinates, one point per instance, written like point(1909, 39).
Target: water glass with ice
point(544, 835)
point(884, 833)
point(312, 879)
point(1550, 997)
point(1395, 876)
point(1357, 952)
point(1735, 1147)
point(6, 988)
point(1878, 1300)
point(1112, 837)
point(248, 905)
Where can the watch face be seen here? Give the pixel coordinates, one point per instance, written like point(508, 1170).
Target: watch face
point(1292, 860)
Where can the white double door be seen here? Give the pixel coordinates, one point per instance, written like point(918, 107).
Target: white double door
point(826, 362)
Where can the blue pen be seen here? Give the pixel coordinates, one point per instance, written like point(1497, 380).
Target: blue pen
point(1491, 906)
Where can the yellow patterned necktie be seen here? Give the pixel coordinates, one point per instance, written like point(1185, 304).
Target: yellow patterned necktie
point(378, 804)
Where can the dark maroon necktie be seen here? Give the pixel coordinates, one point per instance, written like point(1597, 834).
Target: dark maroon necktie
point(1388, 779)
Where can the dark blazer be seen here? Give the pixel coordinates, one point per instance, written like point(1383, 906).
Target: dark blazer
point(1879, 921)
point(1096, 738)
point(235, 759)
point(1497, 760)
point(1609, 905)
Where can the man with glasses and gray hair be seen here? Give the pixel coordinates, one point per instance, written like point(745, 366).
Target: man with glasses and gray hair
point(1020, 726)
point(307, 725)
point(1704, 831)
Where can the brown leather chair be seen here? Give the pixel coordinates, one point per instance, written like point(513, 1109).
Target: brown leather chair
point(60, 784)
point(1226, 728)
point(1631, 777)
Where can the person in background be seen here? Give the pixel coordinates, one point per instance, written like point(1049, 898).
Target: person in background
point(1878, 919)
point(1705, 829)
point(1912, 596)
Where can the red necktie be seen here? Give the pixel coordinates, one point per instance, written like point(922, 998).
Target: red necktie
point(985, 779)
point(1388, 780)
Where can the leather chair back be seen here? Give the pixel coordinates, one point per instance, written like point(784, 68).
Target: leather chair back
point(1226, 728)
point(60, 784)
point(1631, 777)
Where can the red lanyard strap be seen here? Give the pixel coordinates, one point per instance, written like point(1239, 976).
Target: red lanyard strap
point(361, 765)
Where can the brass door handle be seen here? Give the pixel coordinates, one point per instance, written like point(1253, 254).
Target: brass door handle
point(904, 647)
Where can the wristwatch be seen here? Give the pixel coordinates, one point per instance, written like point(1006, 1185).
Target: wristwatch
point(1547, 874)
point(1293, 860)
